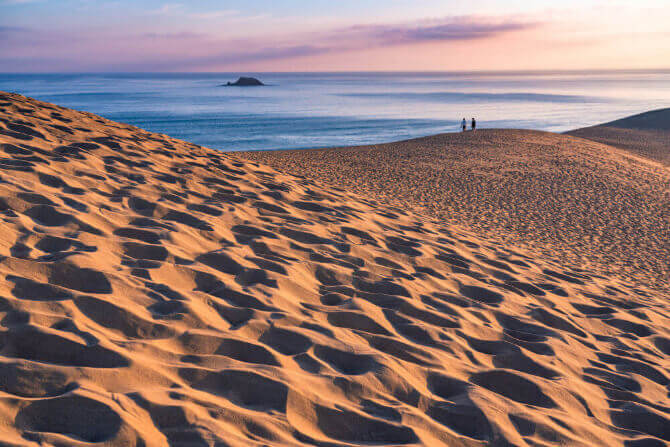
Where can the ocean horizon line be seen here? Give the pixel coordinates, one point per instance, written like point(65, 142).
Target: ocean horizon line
point(342, 72)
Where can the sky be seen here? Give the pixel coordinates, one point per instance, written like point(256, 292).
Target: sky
point(332, 35)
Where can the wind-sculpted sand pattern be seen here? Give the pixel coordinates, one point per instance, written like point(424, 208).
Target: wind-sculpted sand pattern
point(158, 293)
point(598, 207)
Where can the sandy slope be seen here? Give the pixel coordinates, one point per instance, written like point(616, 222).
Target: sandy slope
point(646, 134)
point(157, 293)
point(595, 205)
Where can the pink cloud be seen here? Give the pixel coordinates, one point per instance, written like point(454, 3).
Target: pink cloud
point(187, 50)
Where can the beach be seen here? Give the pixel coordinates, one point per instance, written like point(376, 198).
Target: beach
point(602, 208)
point(160, 293)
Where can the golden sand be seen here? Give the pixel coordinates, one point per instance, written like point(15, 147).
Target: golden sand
point(653, 144)
point(159, 293)
point(603, 209)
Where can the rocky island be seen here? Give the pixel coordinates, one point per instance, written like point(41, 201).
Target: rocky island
point(244, 82)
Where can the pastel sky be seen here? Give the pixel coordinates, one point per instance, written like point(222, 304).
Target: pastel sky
point(332, 35)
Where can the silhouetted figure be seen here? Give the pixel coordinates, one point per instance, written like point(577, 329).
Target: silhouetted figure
point(464, 125)
point(474, 124)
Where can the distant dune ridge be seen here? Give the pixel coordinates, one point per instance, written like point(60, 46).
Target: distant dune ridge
point(646, 134)
point(653, 120)
point(158, 293)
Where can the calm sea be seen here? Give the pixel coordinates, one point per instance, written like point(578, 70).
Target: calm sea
point(301, 110)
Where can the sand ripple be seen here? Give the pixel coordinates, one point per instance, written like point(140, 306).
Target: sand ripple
point(158, 293)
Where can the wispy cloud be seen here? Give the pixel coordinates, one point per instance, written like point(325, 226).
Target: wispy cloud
point(190, 50)
point(211, 15)
point(17, 2)
point(359, 37)
point(168, 9)
point(13, 29)
point(181, 10)
point(449, 29)
point(183, 35)
point(233, 57)
point(10, 32)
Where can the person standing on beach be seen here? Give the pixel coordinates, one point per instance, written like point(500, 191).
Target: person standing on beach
point(474, 124)
point(464, 125)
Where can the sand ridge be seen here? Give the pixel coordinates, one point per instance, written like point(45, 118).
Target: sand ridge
point(600, 207)
point(646, 134)
point(159, 293)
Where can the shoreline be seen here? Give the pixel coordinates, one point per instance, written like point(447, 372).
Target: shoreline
point(316, 111)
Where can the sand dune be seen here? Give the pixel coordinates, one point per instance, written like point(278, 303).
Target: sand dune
point(159, 293)
point(646, 134)
point(652, 120)
point(599, 207)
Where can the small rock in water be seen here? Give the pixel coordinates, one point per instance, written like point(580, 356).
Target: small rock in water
point(245, 82)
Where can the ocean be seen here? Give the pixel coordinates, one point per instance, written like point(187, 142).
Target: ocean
point(307, 110)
